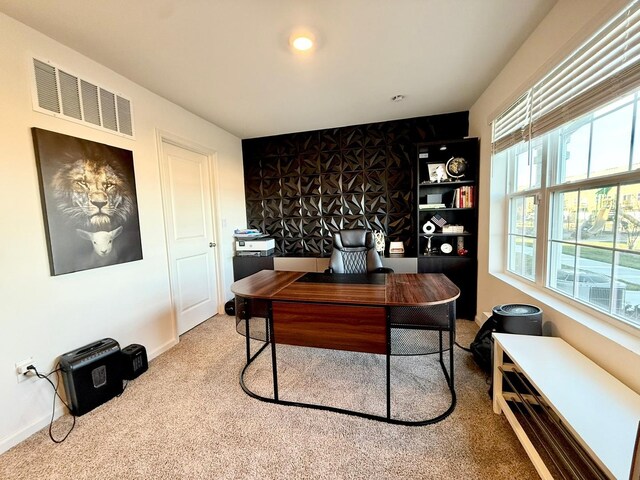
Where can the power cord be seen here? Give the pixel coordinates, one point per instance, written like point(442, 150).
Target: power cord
point(55, 394)
point(124, 387)
point(463, 348)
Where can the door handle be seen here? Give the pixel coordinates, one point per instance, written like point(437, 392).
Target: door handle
point(212, 244)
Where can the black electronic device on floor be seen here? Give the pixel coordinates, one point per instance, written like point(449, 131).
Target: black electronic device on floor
point(230, 307)
point(514, 318)
point(134, 361)
point(518, 318)
point(92, 375)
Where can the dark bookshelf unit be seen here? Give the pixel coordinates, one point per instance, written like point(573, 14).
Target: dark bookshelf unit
point(454, 201)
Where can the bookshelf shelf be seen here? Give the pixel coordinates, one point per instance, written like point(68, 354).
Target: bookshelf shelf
point(440, 234)
point(445, 184)
point(435, 209)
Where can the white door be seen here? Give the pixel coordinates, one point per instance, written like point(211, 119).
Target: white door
point(188, 203)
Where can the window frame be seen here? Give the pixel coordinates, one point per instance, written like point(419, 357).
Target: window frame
point(547, 192)
point(538, 193)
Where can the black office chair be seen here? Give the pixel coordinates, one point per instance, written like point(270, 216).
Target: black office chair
point(354, 252)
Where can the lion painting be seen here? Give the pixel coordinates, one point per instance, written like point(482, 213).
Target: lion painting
point(93, 194)
point(88, 191)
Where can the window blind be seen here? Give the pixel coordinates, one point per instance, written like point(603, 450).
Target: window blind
point(602, 69)
point(511, 127)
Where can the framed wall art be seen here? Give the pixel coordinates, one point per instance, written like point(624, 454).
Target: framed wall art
point(89, 202)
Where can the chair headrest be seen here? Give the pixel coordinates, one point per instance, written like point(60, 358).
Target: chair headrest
point(353, 239)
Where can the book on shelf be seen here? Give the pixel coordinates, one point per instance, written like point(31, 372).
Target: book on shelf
point(427, 206)
point(463, 197)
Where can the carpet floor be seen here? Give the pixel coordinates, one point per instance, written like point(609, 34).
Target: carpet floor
point(187, 417)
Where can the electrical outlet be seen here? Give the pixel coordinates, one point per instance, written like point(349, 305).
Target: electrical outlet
point(22, 372)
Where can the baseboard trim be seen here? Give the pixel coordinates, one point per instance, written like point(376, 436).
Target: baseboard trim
point(163, 348)
point(43, 421)
point(35, 427)
point(483, 317)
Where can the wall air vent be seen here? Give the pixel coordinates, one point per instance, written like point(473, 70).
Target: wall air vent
point(64, 95)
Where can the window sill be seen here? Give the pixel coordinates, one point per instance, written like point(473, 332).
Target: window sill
point(627, 336)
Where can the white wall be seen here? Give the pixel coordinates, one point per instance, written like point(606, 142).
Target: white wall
point(568, 24)
point(44, 316)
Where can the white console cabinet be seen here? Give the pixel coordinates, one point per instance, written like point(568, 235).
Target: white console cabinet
point(587, 403)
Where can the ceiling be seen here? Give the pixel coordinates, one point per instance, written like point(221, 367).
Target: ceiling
point(228, 61)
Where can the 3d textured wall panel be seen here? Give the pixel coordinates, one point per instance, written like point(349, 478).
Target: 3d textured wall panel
point(302, 187)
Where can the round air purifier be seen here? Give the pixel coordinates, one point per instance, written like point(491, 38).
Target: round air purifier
point(518, 318)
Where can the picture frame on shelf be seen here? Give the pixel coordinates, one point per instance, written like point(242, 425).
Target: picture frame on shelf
point(437, 172)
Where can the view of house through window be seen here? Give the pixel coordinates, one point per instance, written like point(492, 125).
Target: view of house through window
point(524, 186)
point(586, 175)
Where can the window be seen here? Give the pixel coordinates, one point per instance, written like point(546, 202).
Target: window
point(523, 187)
point(571, 148)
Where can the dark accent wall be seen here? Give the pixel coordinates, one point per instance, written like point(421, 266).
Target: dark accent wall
point(302, 187)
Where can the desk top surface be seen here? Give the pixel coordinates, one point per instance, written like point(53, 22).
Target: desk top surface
point(397, 289)
point(601, 410)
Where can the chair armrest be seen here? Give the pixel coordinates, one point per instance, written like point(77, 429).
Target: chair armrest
point(383, 270)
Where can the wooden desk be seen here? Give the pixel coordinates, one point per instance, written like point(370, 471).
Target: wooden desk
point(346, 312)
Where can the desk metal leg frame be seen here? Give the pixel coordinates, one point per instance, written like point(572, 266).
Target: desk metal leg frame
point(274, 363)
point(247, 318)
point(247, 337)
point(388, 355)
point(388, 419)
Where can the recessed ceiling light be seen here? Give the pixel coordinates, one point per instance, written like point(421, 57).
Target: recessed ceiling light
point(397, 98)
point(302, 40)
point(302, 43)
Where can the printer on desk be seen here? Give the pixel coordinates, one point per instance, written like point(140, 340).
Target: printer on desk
point(255, 247)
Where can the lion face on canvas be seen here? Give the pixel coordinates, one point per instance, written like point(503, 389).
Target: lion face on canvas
point(93, 194)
